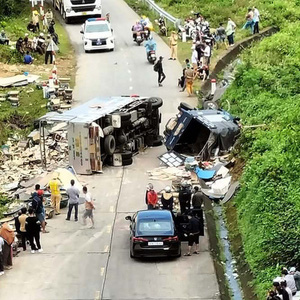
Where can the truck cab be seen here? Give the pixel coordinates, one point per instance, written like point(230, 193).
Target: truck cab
point(77, 8)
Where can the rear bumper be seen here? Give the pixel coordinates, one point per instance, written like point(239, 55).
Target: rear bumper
point(173, 250)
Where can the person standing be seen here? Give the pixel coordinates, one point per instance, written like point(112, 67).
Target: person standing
point(49, 50)
point(256, 20)
point(173, 45)
point(38, 206)
point(48, 17)
point(221, 36)
point(293, 271)
point(167, 199)
point(184, 199)
point(206, 55)
point(151, 197)
point(35, 20)
point(89, 207)
point(249, 20)
point(33, 228)
point(73, 193)
point(195, 58)
point(230, 30)
point(290, 281)
point(159, 67)
point(189, 79)
point(1, 256)
point(8, 235)
point(22, 220)
point(54, 186)
point(194, 234)
point(197, 203)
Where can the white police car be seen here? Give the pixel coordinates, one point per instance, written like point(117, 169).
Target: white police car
point(97, 35)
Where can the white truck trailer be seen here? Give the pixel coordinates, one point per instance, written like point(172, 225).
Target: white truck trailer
point(77, 8)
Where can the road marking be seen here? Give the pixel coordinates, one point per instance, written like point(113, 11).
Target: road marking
point(106, 249)
point(112, 209)
point(130, 88)
point(97, 295)
point(129, 71)
point(130, 79)
point(102, 272)
point(108, 230)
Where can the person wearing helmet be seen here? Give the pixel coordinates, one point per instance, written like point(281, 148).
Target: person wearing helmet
point(137, 27)
point(150, 45)
point(167, 199)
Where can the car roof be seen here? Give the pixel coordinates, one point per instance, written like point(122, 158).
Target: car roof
point(150, 214)
point(96, 20)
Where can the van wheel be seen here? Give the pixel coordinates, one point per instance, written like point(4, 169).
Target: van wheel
point(127, 162)
point(156, 102)
point(185, 106)
point(109, 145)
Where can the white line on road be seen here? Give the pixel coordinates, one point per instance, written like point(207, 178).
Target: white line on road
point(130, 79)
point(112, 209)
point(129, 71)
point(106, 249)
point(102, 271)
point(130, 88)
point(108, 228)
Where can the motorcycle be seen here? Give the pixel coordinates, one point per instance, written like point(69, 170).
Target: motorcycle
point(162, 26)
point(139, 37)
point(151, 56)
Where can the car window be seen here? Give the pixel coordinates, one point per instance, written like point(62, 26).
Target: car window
point(153, 227)
point(96, 28)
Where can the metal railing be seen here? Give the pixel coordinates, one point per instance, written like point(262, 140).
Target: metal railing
point(154, 7)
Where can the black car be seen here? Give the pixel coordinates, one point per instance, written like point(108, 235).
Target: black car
point(153, 234)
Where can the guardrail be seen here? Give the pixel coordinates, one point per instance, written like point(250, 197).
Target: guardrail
point(153, 6)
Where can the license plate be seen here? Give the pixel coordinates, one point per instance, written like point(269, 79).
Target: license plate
point(155, 243)
point(84, 13)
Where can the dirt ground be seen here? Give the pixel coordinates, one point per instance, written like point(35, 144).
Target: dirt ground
point(65, 68)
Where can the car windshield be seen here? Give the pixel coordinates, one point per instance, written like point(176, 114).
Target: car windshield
point(154, 227)
point(96, 28)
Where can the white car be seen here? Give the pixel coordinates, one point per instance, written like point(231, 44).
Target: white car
point(97, 35)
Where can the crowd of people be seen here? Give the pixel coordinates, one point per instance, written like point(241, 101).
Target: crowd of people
point(286, 286)
point(31, 221)
point(38, 43)
point(190, 202)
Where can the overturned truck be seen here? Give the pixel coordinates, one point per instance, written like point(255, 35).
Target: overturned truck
point(201, 133)
point(109, 130)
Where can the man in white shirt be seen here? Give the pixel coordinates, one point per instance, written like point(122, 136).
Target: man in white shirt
point(194, 58)
point(230, 30)
point(206, 55)
point(255, 20)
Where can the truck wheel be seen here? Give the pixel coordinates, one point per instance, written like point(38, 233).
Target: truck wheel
point(185, 106)
point(210, 105)
point(156, 102)
point(109, 144)
point(126, 155)
point(158, 142)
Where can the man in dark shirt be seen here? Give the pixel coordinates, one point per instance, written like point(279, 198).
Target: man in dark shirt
point(184, 199)
point(197, 201)
point(33, 227)
point(160, 71)
point(194, 233)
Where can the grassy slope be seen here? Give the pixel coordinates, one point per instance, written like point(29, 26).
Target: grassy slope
point(266, 90)
point(32, 105)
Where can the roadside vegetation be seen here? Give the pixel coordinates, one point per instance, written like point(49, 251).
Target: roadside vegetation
point(266, 91)
point(14, 18)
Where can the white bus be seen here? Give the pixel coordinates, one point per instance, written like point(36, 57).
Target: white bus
point(76, 8)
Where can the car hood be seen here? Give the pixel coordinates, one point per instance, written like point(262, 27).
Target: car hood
point(97, 35)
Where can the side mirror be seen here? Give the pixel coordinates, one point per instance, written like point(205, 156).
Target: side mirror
point(128, 218)
point(81, 31)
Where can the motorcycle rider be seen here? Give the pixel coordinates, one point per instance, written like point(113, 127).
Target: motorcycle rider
point(147, 25)
point(162, 25)
point(150, 45)
point(137, 27)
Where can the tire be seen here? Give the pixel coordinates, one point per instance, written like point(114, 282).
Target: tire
point(109, 145)
point(158, 142)
point(127, 155)
point(127, 162)
point(185, 106)
point(210, 105)
point(178, 255)
point(131, 255)
point(156, 102)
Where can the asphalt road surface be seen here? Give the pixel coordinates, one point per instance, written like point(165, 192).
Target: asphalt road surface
point(82, 263)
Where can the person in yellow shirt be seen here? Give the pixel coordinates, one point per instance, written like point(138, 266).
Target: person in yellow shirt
point(173, 45)
point(54, 186)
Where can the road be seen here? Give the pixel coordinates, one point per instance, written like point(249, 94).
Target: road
point(82, 263)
